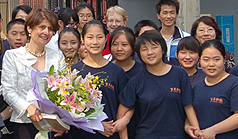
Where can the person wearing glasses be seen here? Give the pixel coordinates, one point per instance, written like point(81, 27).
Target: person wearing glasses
point(85, 13)
point(205, 28)
point(116, 16)
point(66, 18)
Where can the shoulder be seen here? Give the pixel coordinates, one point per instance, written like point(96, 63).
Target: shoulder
point(200, 72)
point(234, 71)
point(115, 67)
point(50, 50)
point(18, 51)
point(178, 69)
point(78, 65)
point(232, 79)
point(139, 77)
point(138, 64)
point(6, 45)
point(183, 33)
point(53, 53)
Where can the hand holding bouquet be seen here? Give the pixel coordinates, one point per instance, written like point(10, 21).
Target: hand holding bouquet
point(76, 100)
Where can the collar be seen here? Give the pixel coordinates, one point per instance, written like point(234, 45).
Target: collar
point(176, 32)
point(24, 57)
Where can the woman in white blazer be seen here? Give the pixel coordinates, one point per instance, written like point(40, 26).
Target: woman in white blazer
point(18, 63)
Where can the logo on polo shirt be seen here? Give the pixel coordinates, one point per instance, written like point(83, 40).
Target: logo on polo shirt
point(109, 85)
point(175, 90)
point(216, 100)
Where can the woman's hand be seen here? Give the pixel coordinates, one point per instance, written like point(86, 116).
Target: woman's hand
point(34, 113)
point(192, 132)
point(120, 124)
point(58, 132)
point(207, 133)
point(107, 128)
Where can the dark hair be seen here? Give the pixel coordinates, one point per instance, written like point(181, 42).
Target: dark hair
point(213, 43)
point(159, 4)
point(208, 21)
point(38, 15)
point(129, 36)
point(72, 30)
point(83, 5)
point(93, 22)
point(189, 43)
point(65, 15)
point(24, 8)
point(144, 23)
point(0, 15)
point(152, 36)
point(14, 22)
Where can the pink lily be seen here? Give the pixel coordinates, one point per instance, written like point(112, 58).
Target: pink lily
point(70, 100)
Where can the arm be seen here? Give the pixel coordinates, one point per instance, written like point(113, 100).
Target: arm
point(191, 122)
point(190, 130)
point(124, 115)
point(12, 92)
point(9, 81)
point(191, 115)
point(226, 125)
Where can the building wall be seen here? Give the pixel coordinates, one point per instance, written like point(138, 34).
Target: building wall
point(221, 7)
point(138, 10)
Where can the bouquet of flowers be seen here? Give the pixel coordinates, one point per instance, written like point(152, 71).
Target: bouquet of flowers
point(76, 100)
point(80, 96)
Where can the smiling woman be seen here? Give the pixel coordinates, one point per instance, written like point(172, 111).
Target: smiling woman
point(18, 65)
point(157, 90)
point(69, 43)
point(188, 56)
point(205, 28)
point(215, 98)
point(94, 39)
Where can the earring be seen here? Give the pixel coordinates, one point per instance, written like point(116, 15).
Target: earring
point(29, 35)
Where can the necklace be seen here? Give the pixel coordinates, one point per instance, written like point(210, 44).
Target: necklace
point(34, 54)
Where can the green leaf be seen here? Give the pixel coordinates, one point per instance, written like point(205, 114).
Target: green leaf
point(52, 70)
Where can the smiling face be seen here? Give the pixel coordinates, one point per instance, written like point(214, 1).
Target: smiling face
point(114, 20)
point(85, 15)
point(188, 59)
point(69, 45)
point(41, 34)
point(17, 36)
point(121, 49)
point(204, 32)
point(212, 62)
point(151, 53)
point(94, 40)
point(167, 15)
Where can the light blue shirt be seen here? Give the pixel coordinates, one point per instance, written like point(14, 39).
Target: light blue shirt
point(16, 78)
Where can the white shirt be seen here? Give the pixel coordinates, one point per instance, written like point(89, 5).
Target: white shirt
point(16, 78)
point(53, 43)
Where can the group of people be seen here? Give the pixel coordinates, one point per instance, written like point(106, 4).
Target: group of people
point(161, 83)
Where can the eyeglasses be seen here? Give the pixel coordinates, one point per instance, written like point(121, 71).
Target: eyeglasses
point(117, 22)
point(85, 15)
point(207, 30)
point(74, 24)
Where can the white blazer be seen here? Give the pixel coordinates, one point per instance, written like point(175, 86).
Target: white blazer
point(16, 78)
